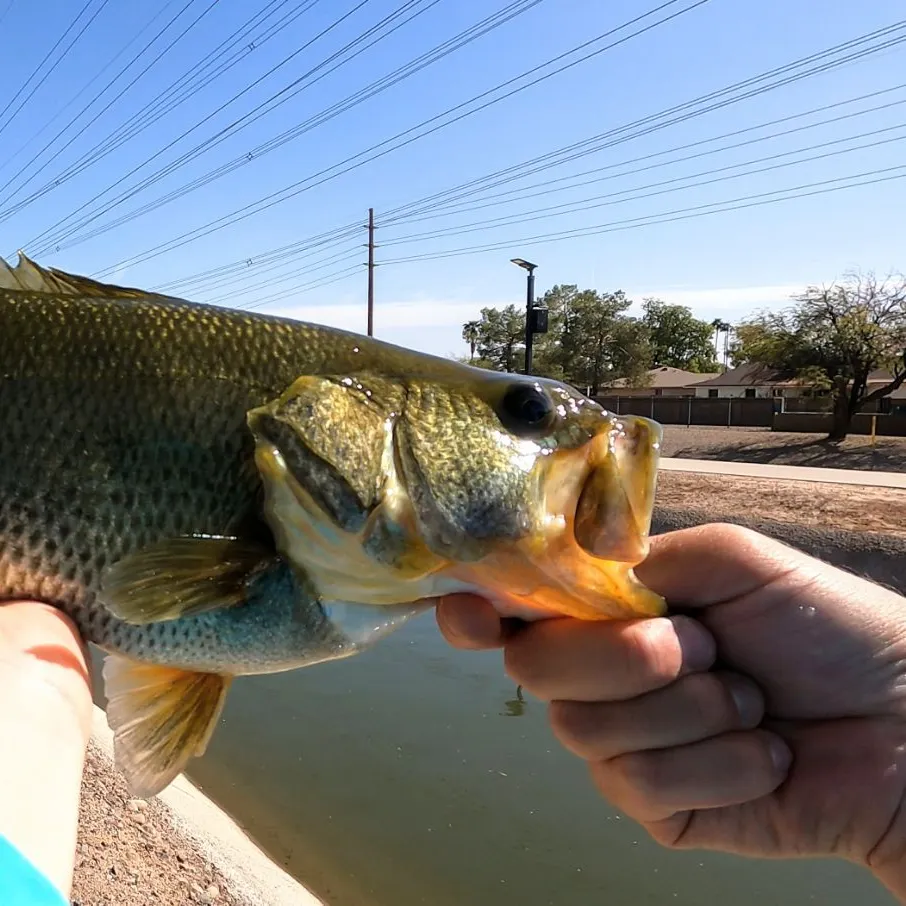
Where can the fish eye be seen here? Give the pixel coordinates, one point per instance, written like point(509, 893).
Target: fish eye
point(527, 410)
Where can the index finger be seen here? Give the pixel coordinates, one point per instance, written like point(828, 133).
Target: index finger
point(694, 567)
point(470, 622)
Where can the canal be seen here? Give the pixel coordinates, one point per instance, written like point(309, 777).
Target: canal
point(411, 775)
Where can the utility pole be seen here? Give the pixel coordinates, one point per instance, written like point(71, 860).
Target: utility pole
point(371, 272)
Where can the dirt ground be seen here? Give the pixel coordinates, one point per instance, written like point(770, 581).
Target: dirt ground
point(766, 446)
point(130, 854)
point(851, 507)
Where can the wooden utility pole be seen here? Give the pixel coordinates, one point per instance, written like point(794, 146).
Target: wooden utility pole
point(371, 272)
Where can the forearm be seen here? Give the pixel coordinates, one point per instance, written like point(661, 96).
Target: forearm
point(44, 722)
point(42, 769)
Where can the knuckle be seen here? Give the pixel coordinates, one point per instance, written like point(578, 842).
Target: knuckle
point(578, 726)
point(710, 702)
point(653, 654)
point(521, 660)
point(640, 774)
point(730, 532)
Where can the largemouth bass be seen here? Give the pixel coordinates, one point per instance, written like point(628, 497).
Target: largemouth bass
point(210, 493)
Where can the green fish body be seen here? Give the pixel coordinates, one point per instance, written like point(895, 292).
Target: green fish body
point(209, 493)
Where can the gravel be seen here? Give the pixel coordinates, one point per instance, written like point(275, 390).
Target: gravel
point(130, 853)
point(761, 445)
point(807, 503)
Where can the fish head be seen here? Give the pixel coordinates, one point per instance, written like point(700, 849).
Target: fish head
point(521, 489)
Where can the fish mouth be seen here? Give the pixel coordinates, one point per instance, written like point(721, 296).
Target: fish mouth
point(598, 504)
point(615, 503)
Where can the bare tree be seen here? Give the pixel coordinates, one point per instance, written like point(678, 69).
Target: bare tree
point(838, 335)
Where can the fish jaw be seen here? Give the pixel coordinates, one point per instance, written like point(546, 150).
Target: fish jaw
point(337, 561)
point(580, 561)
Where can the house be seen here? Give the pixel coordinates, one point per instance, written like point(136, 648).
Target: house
point(661, 381)
point(749, 380)
point(759, 382)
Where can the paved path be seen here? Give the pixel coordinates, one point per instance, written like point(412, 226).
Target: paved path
point(785, 473)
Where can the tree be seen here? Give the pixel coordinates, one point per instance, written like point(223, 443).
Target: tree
point(471, 333)
point(835, 337)
point(722, 327)
point(677, 338)
point(501, 338)
point(591, 340)
point(556, 352)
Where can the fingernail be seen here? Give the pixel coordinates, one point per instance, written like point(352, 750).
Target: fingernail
point(748, 700)
point(781, 754)
point(696, 644)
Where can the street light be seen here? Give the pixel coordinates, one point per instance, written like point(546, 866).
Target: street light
point(535, 320)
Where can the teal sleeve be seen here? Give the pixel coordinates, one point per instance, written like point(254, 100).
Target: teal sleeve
point(21, 884)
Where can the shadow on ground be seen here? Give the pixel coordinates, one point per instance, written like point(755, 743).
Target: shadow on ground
point(815, 452)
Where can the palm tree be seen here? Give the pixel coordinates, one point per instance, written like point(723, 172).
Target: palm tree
point(721, 327)
point(470, 333)
point(717, 324)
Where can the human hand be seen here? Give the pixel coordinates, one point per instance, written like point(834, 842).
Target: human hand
point(769, 719)
point(45, 724)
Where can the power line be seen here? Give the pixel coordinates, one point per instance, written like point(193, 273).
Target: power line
point(6, 10)
point(276, 100)
point(59, 60)
point(262, 259)
point(523, 192)
point(163, 103)
point(679, 113)
point(289, 251)
point(421, 62)
point(320, 264)
point(349, 164)
point(586, 205)
point(305, 287)
point(735, 204)
point(327, 262)
point(54, 183)
point(793, 193)
point(116, 78)
point(270, 201)
point(468, 36)
point(83, 89)
point(225, 281)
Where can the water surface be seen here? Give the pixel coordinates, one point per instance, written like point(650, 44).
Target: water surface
point(401, 778)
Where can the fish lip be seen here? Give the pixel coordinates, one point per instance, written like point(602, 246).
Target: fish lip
point(615, 500)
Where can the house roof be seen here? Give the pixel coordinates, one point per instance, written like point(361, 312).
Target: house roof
point(664, 376)
point(755, 375)
point(749, 375)
point(882, 376)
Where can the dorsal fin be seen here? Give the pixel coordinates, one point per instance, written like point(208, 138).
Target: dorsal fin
point(27, 275)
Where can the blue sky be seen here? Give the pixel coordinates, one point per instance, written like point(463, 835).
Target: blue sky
point(722, 265)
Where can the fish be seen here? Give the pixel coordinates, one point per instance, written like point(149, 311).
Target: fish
point(210, 493)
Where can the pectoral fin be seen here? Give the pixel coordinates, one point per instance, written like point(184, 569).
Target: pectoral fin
point(181, 577)
point(161, 717)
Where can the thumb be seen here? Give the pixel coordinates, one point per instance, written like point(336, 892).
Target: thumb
point(714, 563)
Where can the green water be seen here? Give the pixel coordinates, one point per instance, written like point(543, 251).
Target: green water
point(400, 777)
